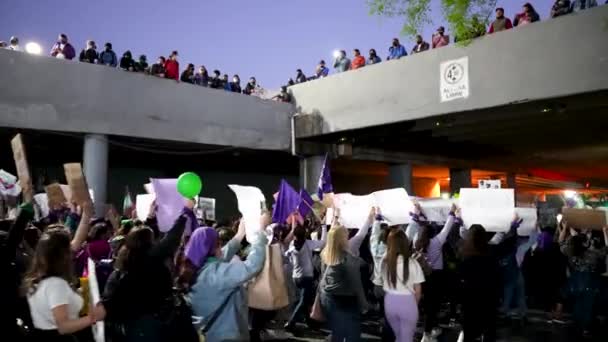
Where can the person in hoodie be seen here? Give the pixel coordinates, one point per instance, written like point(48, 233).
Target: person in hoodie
point(63, 49)
point(250, 87)
point(560, 7)
point(396, 50)
point(142, 64)
point(126, 62)
point(158, 68)
point(216, 80)
point(89, 55)
point(108, 56)
point(373, 57)
point(300, 253)
point(358, 61)
point(342, 63)
point(172, 67)
point(322, 70)
point(14, 44)
point(188, 74)
point(225, 84)
point(501, 23)
point(300, 77)
point(202, 77)
point(235, 85)
point(218, 295)
point(420, 46)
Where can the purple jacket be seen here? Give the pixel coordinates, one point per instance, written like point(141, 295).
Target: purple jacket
point(67, 51)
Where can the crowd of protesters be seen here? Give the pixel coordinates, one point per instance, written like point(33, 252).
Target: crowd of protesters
point(187, 282)
point(169, 67)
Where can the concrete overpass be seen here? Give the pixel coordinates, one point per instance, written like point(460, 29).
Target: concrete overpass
point(538, 98)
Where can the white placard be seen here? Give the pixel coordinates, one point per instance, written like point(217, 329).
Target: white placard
point(354, 210)
point(528, 224)
point(99, 327)
point(142, 205)
point(42, 200)
point(454, 79)
point(437, 209)
point(149, 188)
point(207, 207)
point(395, 205)
point(250, 200)
point(492, 208)
point(8, 184)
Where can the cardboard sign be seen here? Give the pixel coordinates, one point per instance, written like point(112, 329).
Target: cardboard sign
point(395, 205)
point(55, 195)
point(77, 183)
point(584, 218)
point(491, 208)
point(23, 170)
point(142, 206)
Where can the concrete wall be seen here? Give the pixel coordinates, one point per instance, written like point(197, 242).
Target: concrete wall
point(39, 92)
point(558, 57)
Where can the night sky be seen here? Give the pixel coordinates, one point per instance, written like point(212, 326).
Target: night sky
point(268, 39)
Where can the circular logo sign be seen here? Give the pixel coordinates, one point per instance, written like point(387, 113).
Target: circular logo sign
point(453, 73)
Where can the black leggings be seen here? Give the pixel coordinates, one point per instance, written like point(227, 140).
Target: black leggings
point(432, 290)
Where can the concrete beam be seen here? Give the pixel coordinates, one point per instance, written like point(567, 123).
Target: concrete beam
point(44, 93)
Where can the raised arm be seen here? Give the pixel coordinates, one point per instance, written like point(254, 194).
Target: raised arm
point(169, 244)
point(500, 237)
point(447, 227)
point(83, 227)
point(374, 240)
point(319, 244)
point(234, 245)
point(355, 242)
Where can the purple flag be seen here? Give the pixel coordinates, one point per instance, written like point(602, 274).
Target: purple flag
point(325, 185)
point(306, 203)
point(287, 202)
point(169, 203)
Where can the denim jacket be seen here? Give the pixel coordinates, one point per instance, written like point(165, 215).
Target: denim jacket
point(221, 278)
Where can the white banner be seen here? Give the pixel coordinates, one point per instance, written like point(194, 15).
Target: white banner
point(354, 210)
point(491, 208)
point(454, 79)
point(250, 201)
point(395, 205)
point(437, 209)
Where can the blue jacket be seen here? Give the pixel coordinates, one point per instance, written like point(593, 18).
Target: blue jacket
point(221, 278)
point(396, 52)
point(108, 58)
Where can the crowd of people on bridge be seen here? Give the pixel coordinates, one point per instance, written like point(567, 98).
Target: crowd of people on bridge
point(168, 67)
point(191, 280)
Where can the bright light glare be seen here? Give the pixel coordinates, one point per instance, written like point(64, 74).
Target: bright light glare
point(569, 193)
point(445, 195)
point(559, 218)
point(33, 48)
point(336, 53)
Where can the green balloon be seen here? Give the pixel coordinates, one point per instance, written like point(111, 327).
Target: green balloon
point(189, 184)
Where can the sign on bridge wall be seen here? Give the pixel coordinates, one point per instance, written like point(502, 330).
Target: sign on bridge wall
point(454, 79)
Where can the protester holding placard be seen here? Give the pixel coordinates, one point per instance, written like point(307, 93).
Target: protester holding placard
point(402, 277)
point(54, 305)
point(341, 297)
point(139, 295)
point(429, 250)
point(300, 253)
point(218, 297)
point(584, 260)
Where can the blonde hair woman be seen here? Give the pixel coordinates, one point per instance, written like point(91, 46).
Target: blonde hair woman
point(341, 292)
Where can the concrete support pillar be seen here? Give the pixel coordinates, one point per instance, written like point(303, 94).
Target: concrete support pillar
point(459, 178)
point(95, 164)
point(310, 170)
point(511, 181)
point(400, 175)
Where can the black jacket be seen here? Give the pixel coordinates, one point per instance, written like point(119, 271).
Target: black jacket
point(88, 56)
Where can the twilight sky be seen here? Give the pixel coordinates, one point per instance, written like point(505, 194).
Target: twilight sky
point(268, 39)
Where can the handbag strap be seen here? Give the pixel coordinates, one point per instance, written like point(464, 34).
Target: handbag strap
point(218, 311)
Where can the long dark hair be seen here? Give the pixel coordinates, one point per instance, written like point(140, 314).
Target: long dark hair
point(397, 245)
point(475, 241)
point(425, 234)
point(52, 258)
point(134, 252)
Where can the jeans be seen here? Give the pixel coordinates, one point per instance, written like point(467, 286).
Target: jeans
point(343, 317)
point(514, 291)
point(584, 289)
point(402, 314)
point(306, 296)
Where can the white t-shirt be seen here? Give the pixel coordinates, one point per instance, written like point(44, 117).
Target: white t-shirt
point(416, 276)
point(51, 293)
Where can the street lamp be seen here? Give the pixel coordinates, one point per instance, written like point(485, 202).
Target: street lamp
point(33, 48)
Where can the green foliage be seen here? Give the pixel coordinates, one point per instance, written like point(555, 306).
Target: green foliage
point(466, 19)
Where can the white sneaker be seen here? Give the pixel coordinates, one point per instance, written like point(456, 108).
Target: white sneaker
point(428, 338)
point(461, 336)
